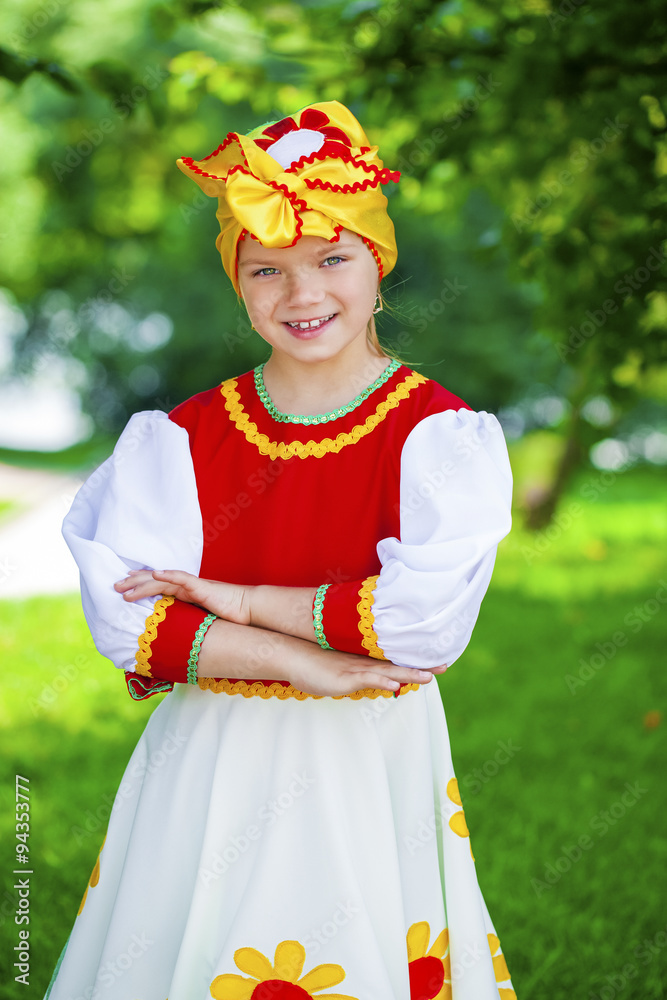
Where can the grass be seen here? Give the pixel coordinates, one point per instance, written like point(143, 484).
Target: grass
point(548, 730)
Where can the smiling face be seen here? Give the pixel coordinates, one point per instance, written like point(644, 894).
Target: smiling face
point(285, 289)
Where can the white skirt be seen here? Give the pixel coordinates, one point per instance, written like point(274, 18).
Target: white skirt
point(279, 849)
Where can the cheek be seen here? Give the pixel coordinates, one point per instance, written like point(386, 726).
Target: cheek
point(359, 293)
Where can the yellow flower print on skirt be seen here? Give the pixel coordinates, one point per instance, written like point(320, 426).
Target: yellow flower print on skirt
point(279, 981)
point(457, 822)
point(430, 968)
point(500, 968)
point(94, 878)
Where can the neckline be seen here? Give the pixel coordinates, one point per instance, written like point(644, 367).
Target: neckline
point(319, 418)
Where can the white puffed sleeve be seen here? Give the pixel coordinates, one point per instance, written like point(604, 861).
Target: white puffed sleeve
point(455, 496)
point(138, 510)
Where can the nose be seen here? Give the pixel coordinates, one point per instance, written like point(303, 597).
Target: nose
point(302, 289)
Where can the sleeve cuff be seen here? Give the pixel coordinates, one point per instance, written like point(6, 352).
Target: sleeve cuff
point(347, 623)
point(165, 644)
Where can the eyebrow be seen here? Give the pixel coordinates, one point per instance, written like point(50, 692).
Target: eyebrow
point(317, 253)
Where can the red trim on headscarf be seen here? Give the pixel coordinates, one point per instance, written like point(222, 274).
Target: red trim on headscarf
point(236, 256)
point(380, 176)
point(371, 247)
point(298, 205)
point(329, 150)
point(338, 231)
point(217, 177)
point(227, 141)
point(190, 163)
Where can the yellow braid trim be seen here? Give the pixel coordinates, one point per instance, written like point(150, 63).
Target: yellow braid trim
point(316, 449)
point(143, 654)
point(278, 691)
point(366, 620)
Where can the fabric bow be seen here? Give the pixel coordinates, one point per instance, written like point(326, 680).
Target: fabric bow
point(323, 177)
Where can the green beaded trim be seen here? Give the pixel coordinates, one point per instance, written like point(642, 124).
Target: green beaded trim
point(320, 418)
point(318, 604)
point(196, 646)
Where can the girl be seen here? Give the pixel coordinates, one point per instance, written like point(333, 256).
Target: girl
point(293, 554)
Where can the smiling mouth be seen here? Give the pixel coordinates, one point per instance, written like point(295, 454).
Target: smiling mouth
point(309, 324)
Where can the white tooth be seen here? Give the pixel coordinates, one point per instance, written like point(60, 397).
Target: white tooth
point(304, 326)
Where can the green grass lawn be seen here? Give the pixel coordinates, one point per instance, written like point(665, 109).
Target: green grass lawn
point(556, 729)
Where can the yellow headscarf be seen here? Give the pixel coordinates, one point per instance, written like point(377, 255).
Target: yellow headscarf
point(312, 174)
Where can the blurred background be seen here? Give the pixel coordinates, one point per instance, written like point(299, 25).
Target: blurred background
point(531, 137)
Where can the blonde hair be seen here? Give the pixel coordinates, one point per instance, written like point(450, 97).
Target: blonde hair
point(374, 341)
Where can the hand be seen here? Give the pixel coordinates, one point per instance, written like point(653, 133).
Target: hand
point(226, 600)
point(329, 673)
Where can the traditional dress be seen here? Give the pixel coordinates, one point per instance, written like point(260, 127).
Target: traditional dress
point(265, 843)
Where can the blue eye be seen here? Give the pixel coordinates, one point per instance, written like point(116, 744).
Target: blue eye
point(268, 271)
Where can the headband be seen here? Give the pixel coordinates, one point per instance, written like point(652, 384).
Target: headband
point(313, 174)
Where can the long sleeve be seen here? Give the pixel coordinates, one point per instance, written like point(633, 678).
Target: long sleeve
point(139, 510)
point(455, 507)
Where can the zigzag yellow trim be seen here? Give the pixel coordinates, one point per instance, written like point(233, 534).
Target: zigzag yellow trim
point(316, 449)
point(366, 620)
point(143, 654)
point(278, 691)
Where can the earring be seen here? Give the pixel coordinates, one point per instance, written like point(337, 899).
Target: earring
point(381, 306)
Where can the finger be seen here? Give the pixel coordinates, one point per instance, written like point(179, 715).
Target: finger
point(411, 675)
point(174, 575)
point(149, 589)
point(131, 580)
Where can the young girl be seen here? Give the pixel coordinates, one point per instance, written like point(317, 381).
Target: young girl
point(293, 554)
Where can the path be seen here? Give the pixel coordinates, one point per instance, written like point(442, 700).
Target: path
point(34, 558)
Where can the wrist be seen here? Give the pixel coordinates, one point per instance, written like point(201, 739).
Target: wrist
point(251, 603)
point(193, 659)
point(318, 609)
